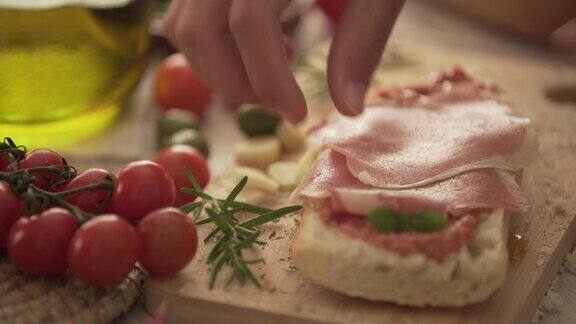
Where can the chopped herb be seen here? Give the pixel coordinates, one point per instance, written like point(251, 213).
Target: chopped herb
point(386, 220)
point(231, 236)
point(383, 219)
point(428, 221)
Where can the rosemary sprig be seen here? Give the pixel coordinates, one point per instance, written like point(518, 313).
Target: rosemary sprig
point(231, 236)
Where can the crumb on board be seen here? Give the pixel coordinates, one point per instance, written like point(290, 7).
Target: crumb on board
point(292, 268)
point(571, 262)
point(552, 302)
point(543, 255)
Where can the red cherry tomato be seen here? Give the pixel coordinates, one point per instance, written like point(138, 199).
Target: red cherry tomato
point(11, 208)
point(104, 251)
point(4, 164)
point(176, 159)
point(169, 241)
point(38, 245)
point(333, 8)
point(42, 158)
point(178, 86)
point(90, 201)
point(141, 187)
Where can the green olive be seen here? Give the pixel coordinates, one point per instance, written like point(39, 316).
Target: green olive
point(174, 120)
point(255, 121)
point(190, 137)
point(428, 221)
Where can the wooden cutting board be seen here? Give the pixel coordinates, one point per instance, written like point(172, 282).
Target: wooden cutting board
point(427, 40)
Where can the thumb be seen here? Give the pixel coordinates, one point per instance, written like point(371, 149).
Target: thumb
point(357, 47)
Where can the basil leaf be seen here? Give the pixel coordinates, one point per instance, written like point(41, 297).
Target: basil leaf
point(384, 220)
point(428, 221)
point(403, 223)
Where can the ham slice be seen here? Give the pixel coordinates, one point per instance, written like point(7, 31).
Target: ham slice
point(448, 86)
point(425, 133)
point(472, 190)
point(447, 145)
point(395, 147)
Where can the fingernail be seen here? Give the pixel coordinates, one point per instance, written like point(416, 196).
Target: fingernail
point(354, 97)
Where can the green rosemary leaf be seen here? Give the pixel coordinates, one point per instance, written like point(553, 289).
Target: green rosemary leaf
point(270, 216)
point(190, 207)
point(211, 234)
point(240, 268)
point(243, 231)
point(234, 193)
point(246, 243)
point(204, 221)
point(250, 275)
point(230, 217)
point(241, 274)
point(198, 211)
point(221, 222)
point(249, 208)
point(192, 179)
point(217, 267)
point(196, 192)
point(217, 250)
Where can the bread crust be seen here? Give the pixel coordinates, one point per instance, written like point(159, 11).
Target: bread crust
point(355, 268)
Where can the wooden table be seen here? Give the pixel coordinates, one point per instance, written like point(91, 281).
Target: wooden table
point(430, 38)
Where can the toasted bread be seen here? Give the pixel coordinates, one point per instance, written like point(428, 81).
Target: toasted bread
point(356, 268)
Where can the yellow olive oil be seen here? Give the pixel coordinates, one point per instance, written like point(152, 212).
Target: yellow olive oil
point(66, 65)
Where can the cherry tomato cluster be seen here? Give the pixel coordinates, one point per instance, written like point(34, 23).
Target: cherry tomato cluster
point(95, 224)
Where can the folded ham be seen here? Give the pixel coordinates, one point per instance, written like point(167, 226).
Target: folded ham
point(397, 147)
point(472, 190)
point(446, 146)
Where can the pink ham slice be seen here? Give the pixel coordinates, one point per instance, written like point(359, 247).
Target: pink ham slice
point(472, 190)
point(452, 85)
point(395, 147)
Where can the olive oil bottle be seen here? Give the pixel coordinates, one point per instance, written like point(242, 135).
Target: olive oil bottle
point(67, 65)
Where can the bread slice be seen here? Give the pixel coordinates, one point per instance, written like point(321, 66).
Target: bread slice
point(353, 267)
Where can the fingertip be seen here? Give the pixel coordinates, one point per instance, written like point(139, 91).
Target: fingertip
point(354, 93)
point(347, 95)
point(356, 49)
point(293, 114)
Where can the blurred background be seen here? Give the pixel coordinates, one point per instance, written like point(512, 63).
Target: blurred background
point(68, 68)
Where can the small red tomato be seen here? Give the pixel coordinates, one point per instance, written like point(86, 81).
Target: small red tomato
point(38, 244)
point(178, 86)
point(333, 8)
point(42, 158)
point(104, 251)
point(11, 208)
point(176, 159)
point(4, 164)
point(90, 201)
point(169, 241)
point(141, 187)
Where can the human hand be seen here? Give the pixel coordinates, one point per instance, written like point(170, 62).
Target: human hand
point(237, 46)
